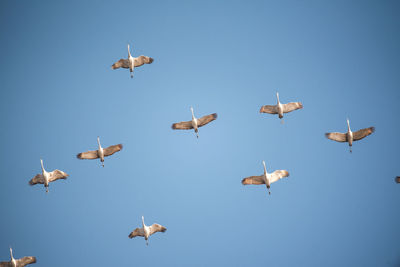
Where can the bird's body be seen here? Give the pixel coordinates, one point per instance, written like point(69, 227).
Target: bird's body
point(350, 136)
point(280, 108)
point(18, 262)
point(100, 152)
point(194, 123)
point(132, 62)
point(266, 178)
point(147, 231)
point(46, 177)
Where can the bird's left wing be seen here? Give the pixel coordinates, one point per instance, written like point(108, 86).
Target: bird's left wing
point(278, 174)
point(57, 174)
point(88, 155)
point(269, 109)
point(122, 63)
point(291, 106)
point(206, 119)
point(253, 180)
point(139, 61)
point(112, 149)
point(183, 125)
point(25, 261)
point(5, 264)
point(360, 134)
point(157, 228)
point(38, 179)
point(136, 232)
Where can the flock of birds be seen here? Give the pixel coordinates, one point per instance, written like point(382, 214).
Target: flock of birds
point(145, 231)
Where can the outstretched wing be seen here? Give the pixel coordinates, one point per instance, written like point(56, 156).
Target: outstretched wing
point(25, 261)
point(122, 63)
point(206, 119)
point(38, 179)
point(136, 232)
point(5, 264)
point(157, 228)
point(339, 137)
point(253, 180)
point(139, 61)
point(360, 134)
point(57, 174)
point(269, 109)
point(112, 149)
point(88, 155)
point(183, 125)
point(291, 106)
point(278, 174)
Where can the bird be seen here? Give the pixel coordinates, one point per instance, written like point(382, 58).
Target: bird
point(280, 108)
point(132, 62)
point(100, 153)
point(397, 179)
point(350, 136)
point(266, 178)
point(194, 123)
point(47, 177)
point(18, 263)
point(147, 231)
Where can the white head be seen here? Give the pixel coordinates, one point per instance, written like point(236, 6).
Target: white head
point(129, 52)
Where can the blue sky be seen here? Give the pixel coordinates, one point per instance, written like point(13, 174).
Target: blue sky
point(58, 93)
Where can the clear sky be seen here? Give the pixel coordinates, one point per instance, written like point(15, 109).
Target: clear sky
point(58, 93)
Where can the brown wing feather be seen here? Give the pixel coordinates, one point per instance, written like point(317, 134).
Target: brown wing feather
point(397, 179)
point(183, 125)
point(360, 134)
point(253, 180)
point(122, 63)
point(5, 264)
point(112, 149)
point(25, 261)
point(139, 61)
point(269, 109)
point(57, 174)
point(136, 232)
point(291, 106)
point(157, 228)
point(38, 179)
point(206, 119)
point(88, 155)
point(338, 137)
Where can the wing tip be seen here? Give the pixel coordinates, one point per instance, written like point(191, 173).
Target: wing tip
point(151, 60)
point(397, 179)
point(120, 146)
point(79, 156)
point(244, 181)
point(173, 126)
point(372, 129)
point(215, 115)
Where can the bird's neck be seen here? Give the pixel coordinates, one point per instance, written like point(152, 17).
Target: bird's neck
point(41, 164)
point(98, 142)
point(348, 126)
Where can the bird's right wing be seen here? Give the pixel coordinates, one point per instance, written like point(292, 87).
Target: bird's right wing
point(184, 125)
point(136, 232)
point(269, 109)
point(122, 63)
point(57, 174)
point(88, 155)
point(112, 149)
point(38, 179)
point(139, 61)
point(339, 137)
point(25, 261)
point(157, 228)
point(360, 134)
point(206, 119)
point(291, 106)
point(253, 180)
point(278, 174)
point(5, 264)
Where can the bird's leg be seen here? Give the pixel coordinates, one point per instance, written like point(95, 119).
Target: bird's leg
point(351, 151)
point(147, 242)
point(47, 189)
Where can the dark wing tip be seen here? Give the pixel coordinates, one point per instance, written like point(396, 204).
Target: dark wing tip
point(397, 179)
point(215, 115)
point(301, 105)
point(120, 146)
point(163, 229)
point(151, 60)
point(131, 235)
point(79, 156)
point(372, 129)
point(30, 182)
point(173, 126)
point(243, 181)
point(327, 135)
point(261, 109)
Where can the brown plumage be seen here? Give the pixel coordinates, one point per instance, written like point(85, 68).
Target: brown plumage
point(186, 125)
point(20, 262)
point(360, 134)
point(139, 61)
point(256, 180)
point(338, 137)
point(53, 176)
point(154, 228)
point(280, 108)
point(93, 154)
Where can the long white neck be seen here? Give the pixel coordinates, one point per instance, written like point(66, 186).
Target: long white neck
point(143, 222)
point(11, 255)
point(192, 112)
point(98, 142)
point(129, 52)
point(277, 97)
point(41, 163)
point(348, 125)
point(265, 168)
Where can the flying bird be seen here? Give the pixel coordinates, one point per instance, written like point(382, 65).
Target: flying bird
point(132, 62)
point(194, 123)
point(18, 263)
point(397, 179)
point(100, 153)
point(147, 231)
point(47, 177)
point(350, 136)
point(266, 178)
point(280, 108)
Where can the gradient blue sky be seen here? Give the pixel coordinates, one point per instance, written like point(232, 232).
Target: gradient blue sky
point(58, 93)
